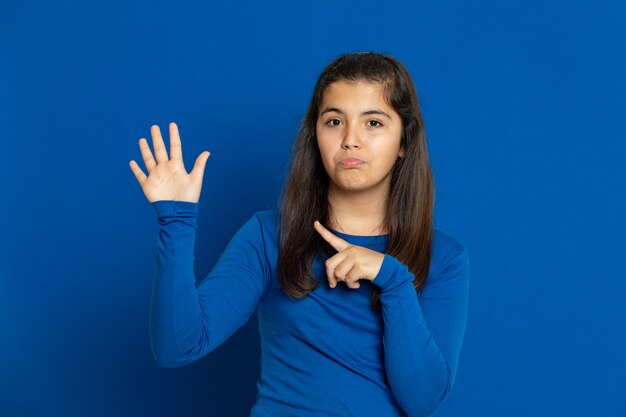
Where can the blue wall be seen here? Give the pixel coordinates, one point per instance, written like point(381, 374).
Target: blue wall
point(524, 110)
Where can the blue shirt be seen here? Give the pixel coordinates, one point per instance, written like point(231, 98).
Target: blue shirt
point(327, 354)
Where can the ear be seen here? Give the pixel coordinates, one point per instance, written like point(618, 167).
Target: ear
point(401, 153)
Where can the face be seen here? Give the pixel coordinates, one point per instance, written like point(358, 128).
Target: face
point(358, 135)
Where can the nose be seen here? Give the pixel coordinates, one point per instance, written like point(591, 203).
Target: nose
point(351, 138)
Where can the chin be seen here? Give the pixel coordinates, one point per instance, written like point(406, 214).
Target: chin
point(353, 186)
point(350, 180)
point(358, 184)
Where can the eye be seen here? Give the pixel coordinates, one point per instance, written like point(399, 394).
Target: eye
point(333, 122)
point(374, 123)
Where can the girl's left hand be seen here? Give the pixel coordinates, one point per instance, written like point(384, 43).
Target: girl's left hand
point(351, 263)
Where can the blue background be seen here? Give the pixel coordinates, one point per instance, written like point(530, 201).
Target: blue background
point(524, 105)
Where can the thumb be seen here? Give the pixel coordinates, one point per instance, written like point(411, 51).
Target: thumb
point(198, 168)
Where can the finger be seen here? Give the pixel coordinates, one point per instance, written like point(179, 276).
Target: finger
point(176, 148)
point(342, 271)
point(348, 272)
point(353, 284)
point(197, 173)
point(159, 146)
point(146, 154)
point(141, 177)
point(335, 241)
point(353, 277)
point(331, 264)
point(330, 275)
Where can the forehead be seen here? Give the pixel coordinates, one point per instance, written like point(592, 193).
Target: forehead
point(355, 93)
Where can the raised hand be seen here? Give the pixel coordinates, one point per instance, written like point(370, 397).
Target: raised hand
point(351, 263)
point(167, 178)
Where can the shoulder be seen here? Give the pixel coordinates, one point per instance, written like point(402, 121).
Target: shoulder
point(444, 244)
point(267, 217)
point(263, 227)
point(449, 254)
point(268, 221)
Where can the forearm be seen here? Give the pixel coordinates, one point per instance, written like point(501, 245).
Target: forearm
point(175, 318)
point(422, 335)
point(418, 374)
point(187, 321)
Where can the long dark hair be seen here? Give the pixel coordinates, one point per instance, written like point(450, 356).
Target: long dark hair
point(409, 219)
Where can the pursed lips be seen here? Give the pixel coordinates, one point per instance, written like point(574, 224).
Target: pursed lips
point(351, 163)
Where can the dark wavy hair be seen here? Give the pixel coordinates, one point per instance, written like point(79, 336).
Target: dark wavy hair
point(409, 218)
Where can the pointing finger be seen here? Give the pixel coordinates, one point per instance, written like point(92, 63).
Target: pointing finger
point(335, 241)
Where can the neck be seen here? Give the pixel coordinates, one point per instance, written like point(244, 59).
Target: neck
point(358, 213)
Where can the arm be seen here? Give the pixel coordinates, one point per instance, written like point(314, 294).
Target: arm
point(423, 335)
point(187, 321)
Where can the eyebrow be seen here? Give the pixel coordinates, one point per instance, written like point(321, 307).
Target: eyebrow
point(365, 113)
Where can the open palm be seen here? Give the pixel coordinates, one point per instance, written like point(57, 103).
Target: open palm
point(167, 178)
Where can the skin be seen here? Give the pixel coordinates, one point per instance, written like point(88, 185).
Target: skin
point(167, 177)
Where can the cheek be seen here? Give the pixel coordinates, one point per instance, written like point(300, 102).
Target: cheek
point(324, 143)
point(387, 144)
point(325, 155)
point(391, 154)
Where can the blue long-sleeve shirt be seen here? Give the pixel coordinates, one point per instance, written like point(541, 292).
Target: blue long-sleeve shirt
point(327, 354)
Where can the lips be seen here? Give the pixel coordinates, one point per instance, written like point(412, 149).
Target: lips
point(351, 163)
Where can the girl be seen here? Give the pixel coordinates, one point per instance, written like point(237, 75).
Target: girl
point(361, 301)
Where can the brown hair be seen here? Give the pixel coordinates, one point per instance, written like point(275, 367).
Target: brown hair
point(409, 218)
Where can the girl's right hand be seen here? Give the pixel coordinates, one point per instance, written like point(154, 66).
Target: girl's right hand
point(167, 178)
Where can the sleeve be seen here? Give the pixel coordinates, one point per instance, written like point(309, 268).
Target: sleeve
point(423, 334)
point(189, 319)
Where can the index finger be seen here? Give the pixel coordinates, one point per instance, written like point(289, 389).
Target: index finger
point(176, 149)
point(335, 241)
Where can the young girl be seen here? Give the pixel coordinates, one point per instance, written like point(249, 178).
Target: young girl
point(361, 301)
